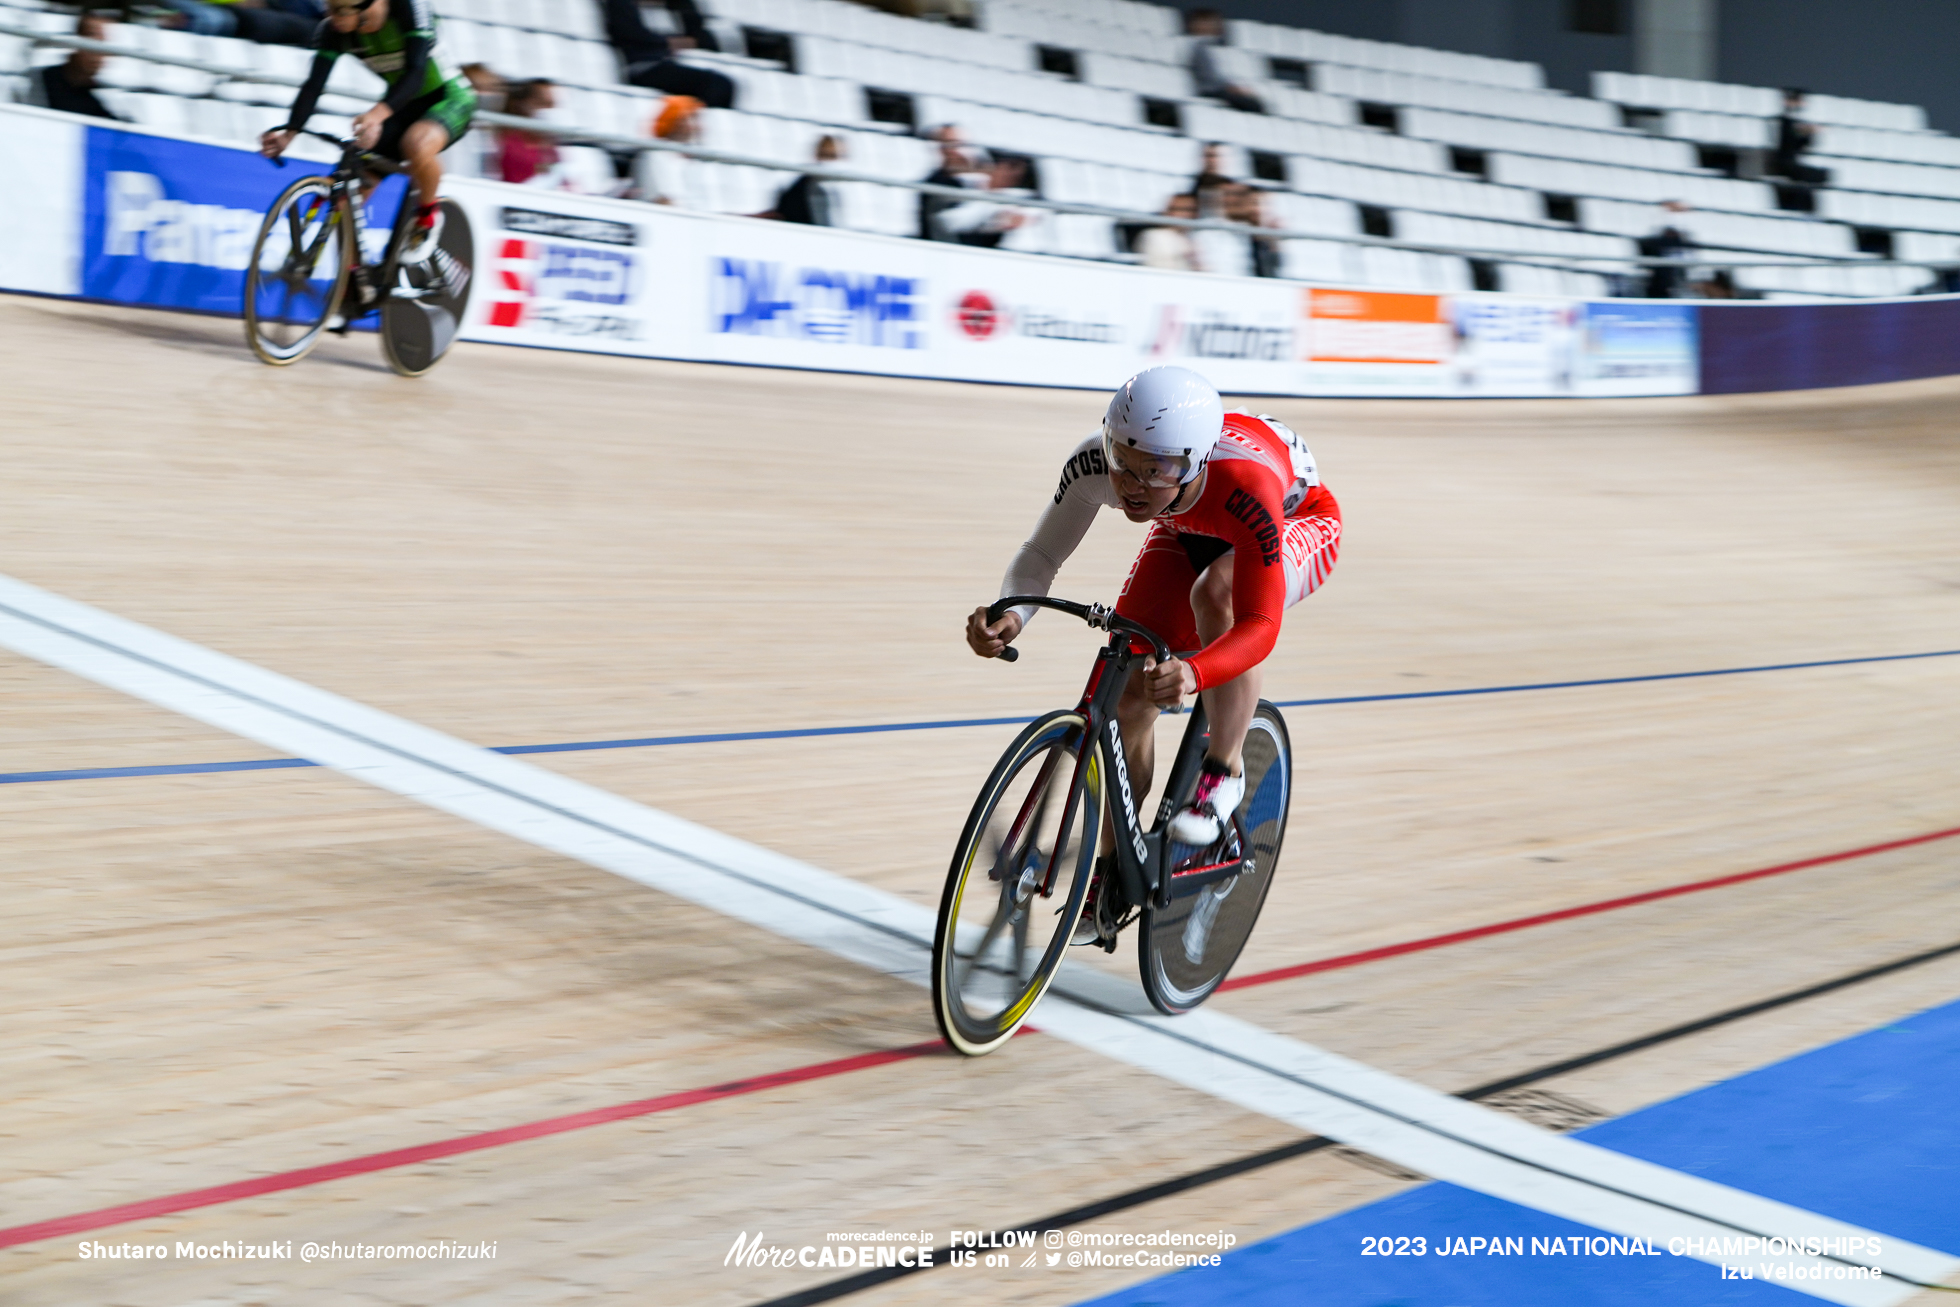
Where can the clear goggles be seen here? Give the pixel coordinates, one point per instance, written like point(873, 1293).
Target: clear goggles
point(1155, 471)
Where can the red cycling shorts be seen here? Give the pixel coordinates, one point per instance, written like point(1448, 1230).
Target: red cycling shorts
point(1158, 591)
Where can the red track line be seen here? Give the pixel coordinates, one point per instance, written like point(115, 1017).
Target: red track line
point(1563, 914)
point(267, 1184)
point(312, 1175)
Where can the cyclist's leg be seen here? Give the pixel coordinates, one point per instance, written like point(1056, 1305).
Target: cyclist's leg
point(421, 143)
point(426, 126)
point(1156, 594)
point(1309, 550)
point(1228, 707)
point(442, 125)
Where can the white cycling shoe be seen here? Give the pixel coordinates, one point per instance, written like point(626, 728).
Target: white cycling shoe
point(1218, 797)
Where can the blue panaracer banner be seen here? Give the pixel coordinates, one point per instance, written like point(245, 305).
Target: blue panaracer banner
point(171, 223)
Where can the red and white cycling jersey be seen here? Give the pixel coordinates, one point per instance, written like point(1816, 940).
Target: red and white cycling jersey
point(1261, 501)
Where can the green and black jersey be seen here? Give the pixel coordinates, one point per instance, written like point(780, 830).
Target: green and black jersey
point(403, 51)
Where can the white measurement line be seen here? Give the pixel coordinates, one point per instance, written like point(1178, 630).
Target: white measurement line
point(1317, 1091)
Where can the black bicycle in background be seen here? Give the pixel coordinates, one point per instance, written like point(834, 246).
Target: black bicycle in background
point(1021, 873)
point(309, 267)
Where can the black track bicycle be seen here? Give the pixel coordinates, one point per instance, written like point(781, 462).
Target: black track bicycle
point(308, 266)
point(1021, 874)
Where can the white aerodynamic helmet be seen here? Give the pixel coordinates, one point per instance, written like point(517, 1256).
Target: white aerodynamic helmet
point(1171, 416)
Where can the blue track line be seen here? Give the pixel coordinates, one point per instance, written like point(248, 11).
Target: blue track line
point(730, 737)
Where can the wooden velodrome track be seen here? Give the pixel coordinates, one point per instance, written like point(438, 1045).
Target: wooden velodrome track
point(210, 977)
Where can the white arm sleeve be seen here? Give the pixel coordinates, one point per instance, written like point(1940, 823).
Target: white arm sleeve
point(969, 215)
point(1063, 522)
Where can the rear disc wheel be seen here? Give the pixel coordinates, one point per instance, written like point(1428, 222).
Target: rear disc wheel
point(427, 290)
point(1187, 948)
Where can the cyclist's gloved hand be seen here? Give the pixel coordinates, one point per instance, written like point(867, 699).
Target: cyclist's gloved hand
point(274, 143)
point(1168, 683)
point(986, 640)
point(367, 127)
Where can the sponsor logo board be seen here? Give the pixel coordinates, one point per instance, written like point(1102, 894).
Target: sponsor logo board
point(981, 315)
point(1180, 331)
point(1365, 326)
point(1639, 348)
point(570, 226)
point(824, 306)
point(1505, 345)
point(564, 289)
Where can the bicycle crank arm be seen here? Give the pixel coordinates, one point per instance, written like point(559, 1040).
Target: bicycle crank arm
point(1186, 883)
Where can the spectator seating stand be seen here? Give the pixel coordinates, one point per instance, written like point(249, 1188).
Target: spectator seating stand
point(1362, 142)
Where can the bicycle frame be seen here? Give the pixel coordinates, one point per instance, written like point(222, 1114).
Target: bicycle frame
point(346, 194)
point(1143, 862)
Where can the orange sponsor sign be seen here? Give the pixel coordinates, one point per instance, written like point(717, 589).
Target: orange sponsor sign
point(1365, 326)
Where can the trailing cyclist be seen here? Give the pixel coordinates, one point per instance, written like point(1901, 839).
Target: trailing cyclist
point(1240, 530)
point(427, 109)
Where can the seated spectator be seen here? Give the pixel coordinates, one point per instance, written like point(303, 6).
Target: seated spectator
point(810, 199)
point(1211, 182)
point(679, 119)
point(1171, 247)
point(1227, 252)
point(1247, 204)
point(1719, 286)
point(956, 12)
point(669, 176)
point(984, 222)
point(1208, 26)
point(490, 87)
point(268, 22)
point(648, 58)
point(522, 156)
point(1665, 281)
point(1794, 137)
point(694, 30)
point(960, 164)
point(70, 85)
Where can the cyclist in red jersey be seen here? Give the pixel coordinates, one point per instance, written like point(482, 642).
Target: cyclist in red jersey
point(1240, 530)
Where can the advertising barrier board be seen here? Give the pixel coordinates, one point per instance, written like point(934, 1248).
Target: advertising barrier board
point(1510, 345)
point(1639, 347)
point(128, 215)
point(40, 217)
point(1753, 347)
point(586, 273)
point(576, 272)
point(171, 223)
point(1374, 342)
